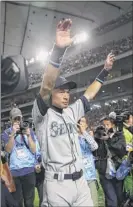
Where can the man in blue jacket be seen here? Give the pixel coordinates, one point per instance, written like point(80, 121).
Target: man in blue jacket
point(22, 148)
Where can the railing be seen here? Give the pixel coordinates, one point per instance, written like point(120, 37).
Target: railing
point(102, 99)
point(124, 77)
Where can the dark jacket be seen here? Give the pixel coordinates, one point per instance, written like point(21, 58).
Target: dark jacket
point(131, 129)
point(117, 147)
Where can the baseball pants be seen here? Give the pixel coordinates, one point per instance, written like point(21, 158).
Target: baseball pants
point(66, 193)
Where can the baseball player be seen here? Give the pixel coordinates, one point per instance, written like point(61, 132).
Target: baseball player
point(55, 123)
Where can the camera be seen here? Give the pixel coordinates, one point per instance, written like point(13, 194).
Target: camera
point(23, 126)
point(14, 75)
point(119, 118)
point(100, 132)
point(122, 116)
point(31, 123)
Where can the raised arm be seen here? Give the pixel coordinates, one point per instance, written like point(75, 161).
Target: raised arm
point(63, 41)
point(93, 89)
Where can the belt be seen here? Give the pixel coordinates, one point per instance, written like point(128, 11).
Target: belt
point(74, 176)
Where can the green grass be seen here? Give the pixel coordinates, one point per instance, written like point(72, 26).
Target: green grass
point(128, 186)
point(36, 201)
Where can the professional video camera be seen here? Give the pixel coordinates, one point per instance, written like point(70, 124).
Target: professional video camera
point(100, 132)
point(119, 118)
point(14, 75)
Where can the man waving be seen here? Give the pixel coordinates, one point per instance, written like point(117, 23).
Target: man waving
point(56, 124)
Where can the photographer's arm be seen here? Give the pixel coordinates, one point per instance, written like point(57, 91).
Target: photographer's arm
point(93, 89)
point(31, 140)
point(9, 146)
point(32, 144)
point(9, 137)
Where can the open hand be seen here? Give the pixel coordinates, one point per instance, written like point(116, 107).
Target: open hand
point(63, 38)
point(109, 61)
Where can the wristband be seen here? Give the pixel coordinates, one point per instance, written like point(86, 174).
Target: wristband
point(102, 75)
point(57, 56)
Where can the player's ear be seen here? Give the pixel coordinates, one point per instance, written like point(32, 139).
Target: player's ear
point(14, 75)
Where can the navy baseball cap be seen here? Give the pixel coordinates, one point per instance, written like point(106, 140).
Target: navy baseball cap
point(62, 83)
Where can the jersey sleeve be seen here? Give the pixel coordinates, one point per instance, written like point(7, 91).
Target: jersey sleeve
point(79, 108)
point(39, 110)
point(90, 141)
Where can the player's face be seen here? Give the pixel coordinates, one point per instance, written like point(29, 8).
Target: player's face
point(107, 124)
point(60, 98)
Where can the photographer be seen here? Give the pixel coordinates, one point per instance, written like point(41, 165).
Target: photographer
point(111, 149)
point(124, 122)
point(88, 145)
point(128, 122)
point(20, 142)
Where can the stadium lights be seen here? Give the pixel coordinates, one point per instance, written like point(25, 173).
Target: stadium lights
point(42, 56)
point(97, 106)
point(27, 62)
point(125, 99)
point(107, 104)
point(82, 37)
point(32, 60)
point(114, 101)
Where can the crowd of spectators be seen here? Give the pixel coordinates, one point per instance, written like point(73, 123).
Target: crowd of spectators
point(34, 78)
point(96, 55)
point(100, 110)
point(123, 19)
point(30, 96)
point(88, 57)
point(77, 62)
point(18, 100)
point(97, 111)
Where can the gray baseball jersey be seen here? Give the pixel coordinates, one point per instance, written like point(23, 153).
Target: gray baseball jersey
point(58, 136)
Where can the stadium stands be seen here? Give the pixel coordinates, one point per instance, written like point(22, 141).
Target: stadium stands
point(88, 57)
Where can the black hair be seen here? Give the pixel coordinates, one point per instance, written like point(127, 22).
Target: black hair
point(107, 118)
